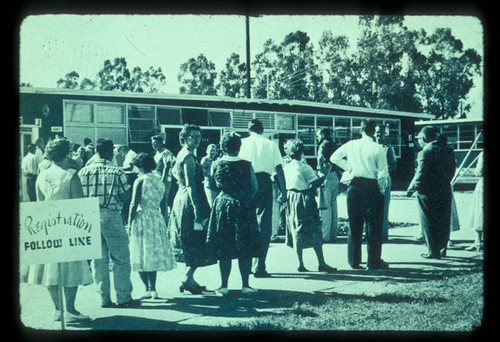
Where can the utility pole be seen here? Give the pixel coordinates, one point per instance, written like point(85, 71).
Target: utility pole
point(248, 55)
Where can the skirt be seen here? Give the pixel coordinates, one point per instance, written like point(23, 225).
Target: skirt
point(74, 273)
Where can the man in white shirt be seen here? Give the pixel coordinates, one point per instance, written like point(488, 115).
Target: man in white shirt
point(29, 167)
point(266, 160)
point(366, 161)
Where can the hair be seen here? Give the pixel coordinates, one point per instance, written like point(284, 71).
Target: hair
point(157, 137)
point(75, 147)
point(188, 128)
point(368, 126)
point(87, 141)
point(230, 142)
point(382, 127)
point(326, 132)
point(209, 147)
point(256, 126)
point(31, 148)
point(144, 161)
point(104, 146)
point(295, 148)
point(57, 149)
point(428, 133)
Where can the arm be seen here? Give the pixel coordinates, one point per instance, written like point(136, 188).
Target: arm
point(383, 170)
point(418, 175)
point(254, 183)
point(391, 159)
point(280, 181)
point(76, 189)
point(339, 157)
point(136, 199)
point(190, 173)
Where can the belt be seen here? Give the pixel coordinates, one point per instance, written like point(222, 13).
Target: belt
point(263, 174)
point(363, 182)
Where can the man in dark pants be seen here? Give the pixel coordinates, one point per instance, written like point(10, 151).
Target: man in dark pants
point(367, 163)
point(435, 170)
point(266, 160)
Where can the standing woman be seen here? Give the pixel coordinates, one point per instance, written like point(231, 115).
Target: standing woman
point(303, 221)
point(233, 231)
point(206, 165)
point(150, 248)
point(381, 138)
point(476, 212)
point(190, 210)
point(58, 183)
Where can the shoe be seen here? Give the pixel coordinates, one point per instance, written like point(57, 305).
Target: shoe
point(222, 291)
point(147, 295)
point(248, 290)
point(442, 253)
point(327, 269)
point(357, 267)
point(379, 265)
point(189, 288)
point(430, 256)
point(154, 294)
point(262, 275)
point(108, 305)
point(302, 269)
point(70, 318)
point(129, 304)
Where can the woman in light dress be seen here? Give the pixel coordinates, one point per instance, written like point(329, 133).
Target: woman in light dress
point(57, 182)
point(476, 213)
point(150, 247)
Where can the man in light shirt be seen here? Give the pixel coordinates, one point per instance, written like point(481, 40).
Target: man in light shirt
point(266, 160)
point(366, 161)
point(29, 167)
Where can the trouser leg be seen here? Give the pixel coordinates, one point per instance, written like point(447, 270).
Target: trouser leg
point(356, 214)
point(374, 220)
point(264, 208)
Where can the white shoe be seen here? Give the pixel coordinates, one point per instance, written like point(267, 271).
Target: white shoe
point(147, 295)
point(69, 317)
point(248, 290)
point(222, 291)
point(153, 295)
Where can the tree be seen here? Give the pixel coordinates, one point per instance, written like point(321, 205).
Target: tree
point(197, 76)
point(70, 81)
point(232, 80)
point(114, 75)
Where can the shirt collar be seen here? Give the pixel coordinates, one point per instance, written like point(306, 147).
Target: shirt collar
point(230, 158)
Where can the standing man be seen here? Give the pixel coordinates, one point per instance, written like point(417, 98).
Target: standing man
point(164, 162)
point(330, 187)
point(367, 162)
point(266, 160)
point(380, 138)
point(107, 182)
point(29, 167)
point(432, 181)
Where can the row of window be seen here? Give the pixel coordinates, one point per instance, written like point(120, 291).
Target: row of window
point(134, 123)
point(462, 136)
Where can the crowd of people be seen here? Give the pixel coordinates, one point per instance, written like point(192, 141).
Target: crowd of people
point(223, 205)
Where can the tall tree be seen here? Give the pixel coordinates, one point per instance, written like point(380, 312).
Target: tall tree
point(70, 81)
point(197, 76)
point(114, 75)
point(232, 80)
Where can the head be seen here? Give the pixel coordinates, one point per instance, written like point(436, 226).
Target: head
point(190, 136)
point(426, 135)
point(295, 149)
point(105, 148)
point(230, 143)
point(368, 127)
point(87, 141)
point(379, 134)
point(31, 148)
point(57, 150)
point(255, 126)
point(144, 162)
point(75, 147)
point(322, 134)
point(212, 151)
point(157, 142)
point(40, 143)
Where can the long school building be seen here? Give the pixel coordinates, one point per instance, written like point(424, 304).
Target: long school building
point(132, 118)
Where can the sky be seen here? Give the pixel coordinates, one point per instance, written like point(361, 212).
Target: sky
point(53, 45)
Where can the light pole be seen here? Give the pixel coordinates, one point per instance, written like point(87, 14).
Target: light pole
point(248, 55)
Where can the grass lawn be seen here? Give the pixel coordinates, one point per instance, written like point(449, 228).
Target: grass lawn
point(452, 303)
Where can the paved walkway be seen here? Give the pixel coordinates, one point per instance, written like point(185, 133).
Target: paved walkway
point(176, 311)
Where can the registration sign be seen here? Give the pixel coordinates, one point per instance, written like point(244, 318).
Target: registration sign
point(59, 231)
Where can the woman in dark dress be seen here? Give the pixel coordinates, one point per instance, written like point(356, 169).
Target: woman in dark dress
point(233, 231)
point(190, 211)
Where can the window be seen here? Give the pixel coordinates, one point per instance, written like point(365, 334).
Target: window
point(451, 134)
point(169, 116)
point(306, 133)
point(194, 116)
point(285, 122)
point(219, 119)
point(466, 136)
point(110, 114)
point(79, 112)
point(141, 123)
point(342, 130)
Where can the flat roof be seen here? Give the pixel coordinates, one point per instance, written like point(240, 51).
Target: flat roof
point(220, 99)
point(447, 121)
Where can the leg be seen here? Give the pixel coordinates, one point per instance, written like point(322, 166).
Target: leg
point(264, 209)
point(54, 295)
point(100, 272)
point(375, 218)
point(245, 265)
point(152, 280)
point(356, 213)
point(300, 257)
point(387, 200)
point(70, 296)
point(144, 277)
point(225, 270)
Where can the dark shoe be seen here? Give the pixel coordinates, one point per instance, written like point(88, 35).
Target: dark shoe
point(430, 256)
point(379, 265)
point(443, 253)
point(190, 288)
point(357, 267)
point(327, 269)
point(129, 304)
point(108, 305)
point(262, 275)
point(302, 269)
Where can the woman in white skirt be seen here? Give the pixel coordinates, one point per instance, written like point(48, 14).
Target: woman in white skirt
point(475, 219)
